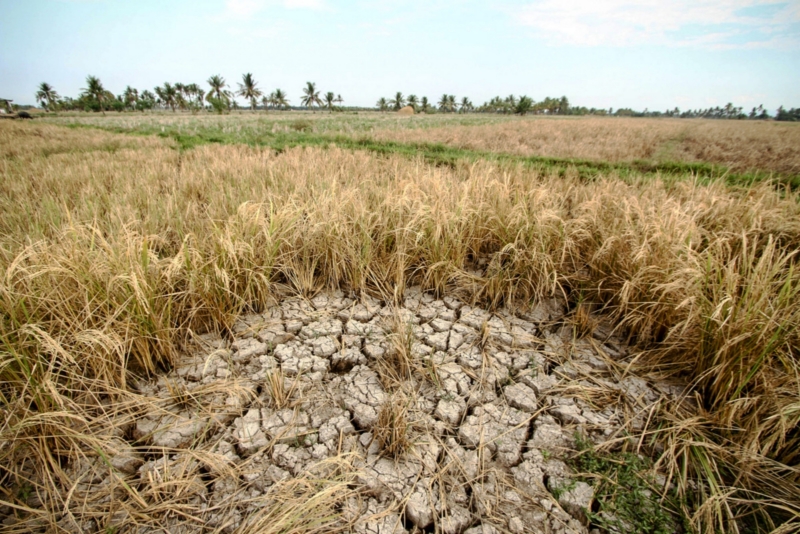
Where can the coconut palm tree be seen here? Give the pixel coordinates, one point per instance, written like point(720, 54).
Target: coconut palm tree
point(147, 100)
point(130, 97)
point(195, 96)
point(280, 99)
point(248, 89)
point(181, 96)
point(94, 88)
point(218, 85)
point(398, 102)
point(443, 103)
point(451, 103)
point(466, 105)
point(168, 94)
point(330, 99)
point(413, 101)
point(563, 105)
point(424, 104)
point(523, 105)
point(46, 93)
point(339, 99)
point(311, 97)
point(382, 104)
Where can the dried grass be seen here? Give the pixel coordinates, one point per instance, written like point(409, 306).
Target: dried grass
point(740, 145)
point(110, 259)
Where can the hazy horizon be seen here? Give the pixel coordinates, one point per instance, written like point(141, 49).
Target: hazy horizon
point(617, 53)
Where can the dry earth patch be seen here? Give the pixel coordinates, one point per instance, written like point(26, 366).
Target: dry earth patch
point(491, 407)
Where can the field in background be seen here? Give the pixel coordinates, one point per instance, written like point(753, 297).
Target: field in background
point(761, 147)
point(113, 246)
point(739, 146)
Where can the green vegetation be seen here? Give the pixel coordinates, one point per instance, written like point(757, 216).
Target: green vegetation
point(629, 497)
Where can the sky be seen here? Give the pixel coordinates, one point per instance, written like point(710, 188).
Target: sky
point(655, 54)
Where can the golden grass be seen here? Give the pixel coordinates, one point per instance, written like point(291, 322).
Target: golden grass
point(739, 145)
point(108, 259)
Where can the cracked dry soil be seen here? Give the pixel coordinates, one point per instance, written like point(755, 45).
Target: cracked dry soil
point(489, 406)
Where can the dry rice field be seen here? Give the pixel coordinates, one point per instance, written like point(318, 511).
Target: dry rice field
point(226, 336)
point(765, 146)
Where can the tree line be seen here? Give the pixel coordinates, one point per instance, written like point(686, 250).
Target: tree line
point(221, 97)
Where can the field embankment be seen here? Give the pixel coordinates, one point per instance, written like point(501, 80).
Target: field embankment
point(113, 248)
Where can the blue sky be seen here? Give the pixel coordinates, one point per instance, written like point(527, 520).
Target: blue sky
point(654, 54)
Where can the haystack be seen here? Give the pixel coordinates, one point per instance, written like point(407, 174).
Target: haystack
point(408, 110)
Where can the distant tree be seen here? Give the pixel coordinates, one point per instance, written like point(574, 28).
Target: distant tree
point(147, 100)
point(466, 105)
point(95, 90)
point(47, 94)
point(130, 97)
point(218, 91)
point(398, 101)
point(792, 115)
point(382, 104)
point(451, 103)
point(413, 101)
point(425, 106)
point(168, 94)
point(280, 99)
point(511, 103)
point(443, 103)
point(181, 96)
point(339, 99)
point(523, 105)
point(311, 95)
point(195, 97)
point(330, 100)
point(248, 89)
point(563, 105)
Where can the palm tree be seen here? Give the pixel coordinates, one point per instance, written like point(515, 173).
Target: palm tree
point(425, 105)
point(466, 105)
point(330, 99)
point(195, 95)
point(248, 90)
point(46, 93)
point(523, 106)
point(413, 101)
point(94, 88)
point(382, 104)
point(280, 99)
point(398, 102)
point(168, 94)
point(181, 96)
point(339, 99)
point(511, 102)
point(311, 97)
point(563, 105)
point(451, 103)
point(130, 96)
point(147, 100)
point(443, 103)
point(217, 84)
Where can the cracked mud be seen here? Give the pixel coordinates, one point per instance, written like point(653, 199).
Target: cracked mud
point(489, 404)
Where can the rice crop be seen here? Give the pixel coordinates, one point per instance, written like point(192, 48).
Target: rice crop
point(115, 249)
